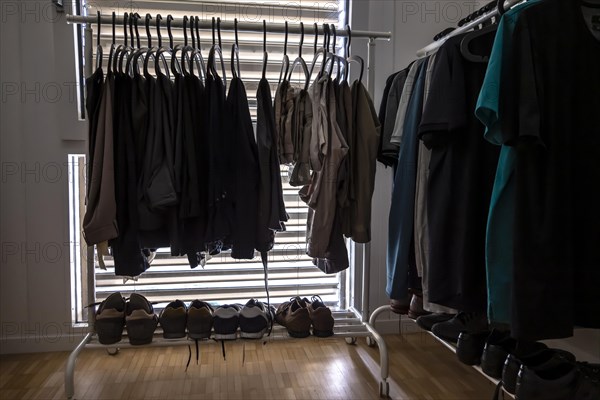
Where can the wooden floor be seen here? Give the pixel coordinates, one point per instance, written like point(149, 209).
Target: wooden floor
point(420, 368)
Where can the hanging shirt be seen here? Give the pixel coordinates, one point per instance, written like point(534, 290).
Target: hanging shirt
point(500, 225)
point(301, 133)
point(461, 172)
point(552, 118)
point(401, 218)
point(398, 130)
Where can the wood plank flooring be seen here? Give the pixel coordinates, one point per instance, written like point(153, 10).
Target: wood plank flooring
point(420, 368)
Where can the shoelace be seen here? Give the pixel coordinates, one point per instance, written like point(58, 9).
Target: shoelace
point(590, 371)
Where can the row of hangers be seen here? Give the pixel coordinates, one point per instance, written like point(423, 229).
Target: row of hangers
point(191, 55)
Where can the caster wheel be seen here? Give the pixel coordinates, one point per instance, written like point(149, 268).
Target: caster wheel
point(351, 340)
point(370, 341)
point(112, 351)
point(384, 389)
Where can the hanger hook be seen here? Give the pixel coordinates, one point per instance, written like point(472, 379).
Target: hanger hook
point(99, 23)
point(131, 18)
point(334, 38)
point(192, 32)
point(148, 18)
point(235, 28)
point(286, 39)
point(185, 21)
point(213, 30)
point(125, 20)
point(301, 39)
point(264, 35)
point(349, 40)
point(169, 19)
point(114, 22)
point(219, 31)
point(326, 37)
point(137, 32)
point(158, 19)
point(316, 36)
point(500, 6)
point(196, 22)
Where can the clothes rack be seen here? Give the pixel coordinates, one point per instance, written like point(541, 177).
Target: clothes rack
point(351, 323)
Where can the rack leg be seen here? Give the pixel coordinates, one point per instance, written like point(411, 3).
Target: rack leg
point(384, 386)
point(70, 370)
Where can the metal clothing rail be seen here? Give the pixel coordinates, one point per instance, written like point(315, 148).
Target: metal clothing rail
point(361, 325)
point(432, 47)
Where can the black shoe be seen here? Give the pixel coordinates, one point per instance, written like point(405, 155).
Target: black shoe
point(497, 348)
point(173, 320)
point(110, 319)
point(140, 320)
point(427, 321)
point(470, 347)
point(567, 380)
point(536, 357)
point(462, 322)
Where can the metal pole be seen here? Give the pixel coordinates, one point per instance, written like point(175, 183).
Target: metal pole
point(242, 27)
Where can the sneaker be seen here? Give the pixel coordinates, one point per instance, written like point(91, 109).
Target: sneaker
point(462, 322)
point(320, 316)
point(255, 319)
point(294, 316)
point(173, 320)
point(226, 320)
point(428, 321)
point(140, 320)
point(199, 320)
point(110, 319)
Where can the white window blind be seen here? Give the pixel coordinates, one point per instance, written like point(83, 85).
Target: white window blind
point(223, 279)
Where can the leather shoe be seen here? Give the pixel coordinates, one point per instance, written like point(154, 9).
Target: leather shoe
point(428, 321)
point(470, 347)
point(462, 322)
point(400, 306)
point(566, 380)
point(497, 348)
point(416, 307)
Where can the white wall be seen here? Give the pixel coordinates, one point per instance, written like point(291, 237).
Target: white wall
point(38, 111)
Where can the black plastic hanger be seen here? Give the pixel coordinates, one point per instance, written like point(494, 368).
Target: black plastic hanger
point(169, 19)
point(198, 53)
point(465, 44)
point(148, 35)
point(285, 63)
point(158, 35)
point(300, 61)
point(114, 44)
point(211, 55)
point(98, 46)
point(265, 54)
point(500, 7)
point(316, 27)
point(357, 59)
point(136, 17)
point(235, 52)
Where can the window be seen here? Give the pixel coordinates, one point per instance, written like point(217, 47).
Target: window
point(223, 279)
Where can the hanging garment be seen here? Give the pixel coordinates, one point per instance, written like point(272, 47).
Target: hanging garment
point(499, 252)
point(346, 121)
point(126, 249)
point(100, 220)
point(382, 115)
point(388, 154)
point(94, 86)
point(365, 139)
point(400, 251)
point(284, 109)
point(461, 174)
point(407, 89)
point(271, 211)
point(553, 120)
point(331, 148)
point(301, 134)
point(421, 233)
point(220, 174)
point(247, 178)
point(336, 255)
point(279, 110)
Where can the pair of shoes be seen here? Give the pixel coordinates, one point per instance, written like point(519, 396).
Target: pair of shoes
point(463, 322)
point(416, 310)
point(116, 312)
point(428, 321)
point(565, 380)
point(298, 314)
point(140, 320)
point(176, 317)
point(254, 320)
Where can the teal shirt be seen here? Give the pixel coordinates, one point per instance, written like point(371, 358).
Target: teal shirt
point(499, 250)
